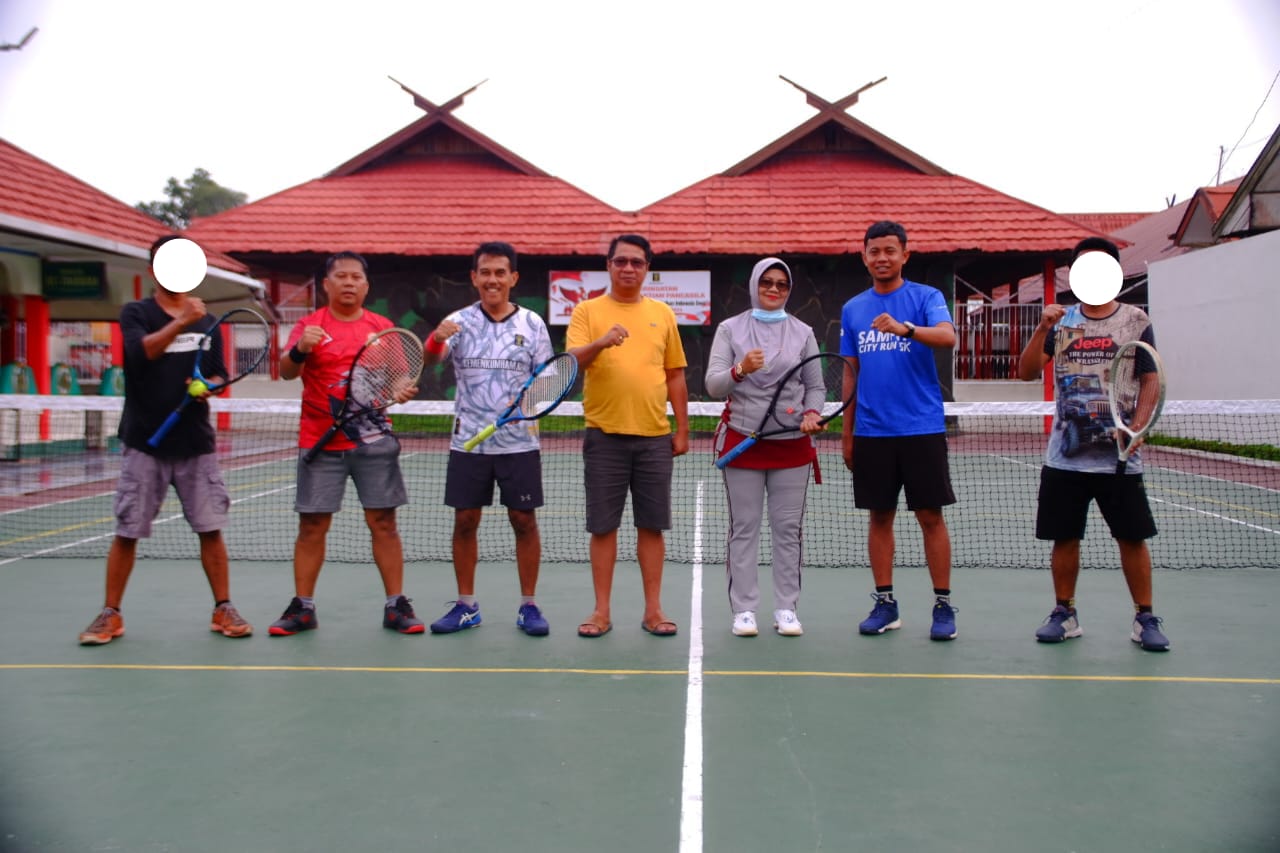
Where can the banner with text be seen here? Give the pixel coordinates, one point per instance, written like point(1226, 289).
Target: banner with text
point(688, 292)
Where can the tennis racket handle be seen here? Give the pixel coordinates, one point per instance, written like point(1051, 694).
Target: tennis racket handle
point(320, 445)
point(737, 451)
point(470, 443)
point(165, 428)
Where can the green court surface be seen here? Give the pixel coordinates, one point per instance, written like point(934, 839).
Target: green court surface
point(355, 738)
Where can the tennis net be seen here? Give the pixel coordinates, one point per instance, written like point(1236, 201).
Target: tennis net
point(1216, 505)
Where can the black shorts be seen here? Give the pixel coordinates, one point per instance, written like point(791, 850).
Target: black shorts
point(883, 467)
point(469, 479)
point(614, 465)
point(1064, 505)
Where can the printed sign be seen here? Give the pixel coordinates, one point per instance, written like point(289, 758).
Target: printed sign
point(688, 292)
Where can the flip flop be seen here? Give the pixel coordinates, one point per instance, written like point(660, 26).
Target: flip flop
point(665, 628)
point(591, 630)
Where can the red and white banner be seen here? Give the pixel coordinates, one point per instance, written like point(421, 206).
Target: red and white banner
point(688, 292)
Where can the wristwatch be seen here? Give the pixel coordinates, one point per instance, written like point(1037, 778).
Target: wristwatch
point(911, 329)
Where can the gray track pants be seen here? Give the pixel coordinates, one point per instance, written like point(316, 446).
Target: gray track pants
point(745, 490)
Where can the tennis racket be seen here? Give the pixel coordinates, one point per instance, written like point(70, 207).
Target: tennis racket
point(1134, 401)
point(249, 327)
point(550, 383)
point(797, 392)
point(388, 363)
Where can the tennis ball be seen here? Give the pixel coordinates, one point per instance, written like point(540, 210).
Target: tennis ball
point(196, 388)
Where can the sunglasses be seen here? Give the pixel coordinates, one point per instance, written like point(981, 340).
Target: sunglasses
point(623, 263)
point(775, 284)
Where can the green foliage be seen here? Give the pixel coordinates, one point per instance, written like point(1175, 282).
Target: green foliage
point(1251, 451)
point(200, 195)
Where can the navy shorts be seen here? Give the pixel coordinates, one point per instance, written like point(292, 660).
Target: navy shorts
point(469, 479)
point(614, 465)
point(374, 468)
point(884, 467)
point(1064, 505)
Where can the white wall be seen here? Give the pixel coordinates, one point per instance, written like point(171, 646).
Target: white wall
point(1216, 312)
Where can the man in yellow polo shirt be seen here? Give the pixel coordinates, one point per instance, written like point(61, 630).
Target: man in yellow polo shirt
point(629, 349)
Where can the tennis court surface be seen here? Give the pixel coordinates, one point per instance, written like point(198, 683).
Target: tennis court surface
point(356, 738)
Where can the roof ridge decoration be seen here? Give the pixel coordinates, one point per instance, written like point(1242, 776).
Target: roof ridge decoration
point(436, 114)
point(834, 112)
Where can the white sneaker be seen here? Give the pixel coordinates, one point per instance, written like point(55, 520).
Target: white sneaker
point(744, 624)
point(786, 623)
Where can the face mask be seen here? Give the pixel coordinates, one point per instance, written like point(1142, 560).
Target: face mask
point(768, 316)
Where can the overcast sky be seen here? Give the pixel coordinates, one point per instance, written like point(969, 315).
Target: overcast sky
point(1092, 105)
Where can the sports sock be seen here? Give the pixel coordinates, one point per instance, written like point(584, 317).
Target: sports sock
point(469, 600)
point(308, 602)
point(1069, 603)
point(218, 604)
point(1143, 608)
point(526, 599)
point(391, 599)
point(886, 591)
point(943, 595)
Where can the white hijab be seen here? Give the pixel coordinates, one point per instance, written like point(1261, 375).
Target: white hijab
point(783, 343)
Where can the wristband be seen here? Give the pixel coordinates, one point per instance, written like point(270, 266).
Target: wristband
point(433, 346)
point(296, 355)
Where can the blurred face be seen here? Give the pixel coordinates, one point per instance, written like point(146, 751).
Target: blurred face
point(773, 289)
point(346, 286)
point(885, 257)
point(628, 268)
point(493, 279)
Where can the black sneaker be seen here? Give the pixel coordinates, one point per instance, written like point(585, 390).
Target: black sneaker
point(399, 616)
point(296, 618)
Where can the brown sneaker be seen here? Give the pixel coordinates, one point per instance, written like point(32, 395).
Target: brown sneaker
point(228, 622)
point(104, 629)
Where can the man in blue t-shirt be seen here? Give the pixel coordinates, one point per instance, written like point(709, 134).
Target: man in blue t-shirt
point(888, 334)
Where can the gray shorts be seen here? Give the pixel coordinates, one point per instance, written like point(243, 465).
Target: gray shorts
point(144, 484)
point(614, 464)
point(469, 479)
point(374, 468)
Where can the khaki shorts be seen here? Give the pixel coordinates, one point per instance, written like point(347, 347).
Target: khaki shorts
point(144, 485)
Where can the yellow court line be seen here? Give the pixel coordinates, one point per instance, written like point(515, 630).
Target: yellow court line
point(452, 670)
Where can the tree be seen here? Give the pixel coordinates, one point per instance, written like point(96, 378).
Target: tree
point(200, 195)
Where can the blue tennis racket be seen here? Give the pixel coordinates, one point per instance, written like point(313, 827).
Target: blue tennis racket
point(550, 383)
point(249, 327)
point(815, 383)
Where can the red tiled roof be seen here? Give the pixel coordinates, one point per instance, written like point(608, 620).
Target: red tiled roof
point(439, 205)
point(1107, 223)
point(32, 189)
point(822, 203)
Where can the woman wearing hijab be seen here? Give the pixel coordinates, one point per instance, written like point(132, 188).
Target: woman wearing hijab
point(751, 353)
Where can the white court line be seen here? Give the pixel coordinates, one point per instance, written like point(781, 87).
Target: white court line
point(691, 783)
point(1218, 516)
point(101, 536)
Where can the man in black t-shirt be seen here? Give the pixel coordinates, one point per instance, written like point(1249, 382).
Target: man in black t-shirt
point(161, 336)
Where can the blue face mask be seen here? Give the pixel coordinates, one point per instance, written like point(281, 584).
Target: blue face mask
point(768, 316)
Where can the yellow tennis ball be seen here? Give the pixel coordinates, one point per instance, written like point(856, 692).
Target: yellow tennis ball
point(196, 388)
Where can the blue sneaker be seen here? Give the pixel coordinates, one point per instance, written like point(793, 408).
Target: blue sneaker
point(400, 617)
point(944, 622)
point(1146, 633)
point(457, 619)
point(884, 616)
point(530, 620)
point(1061, 624)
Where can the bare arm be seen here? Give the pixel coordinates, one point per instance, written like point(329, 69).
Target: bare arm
point(1034, 358)
point(678, 397)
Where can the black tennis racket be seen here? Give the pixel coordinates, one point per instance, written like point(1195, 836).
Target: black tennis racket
point(817, 382)
point(249, 327)
point(1136, 402)
point(550, 383)
point(389, 363)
